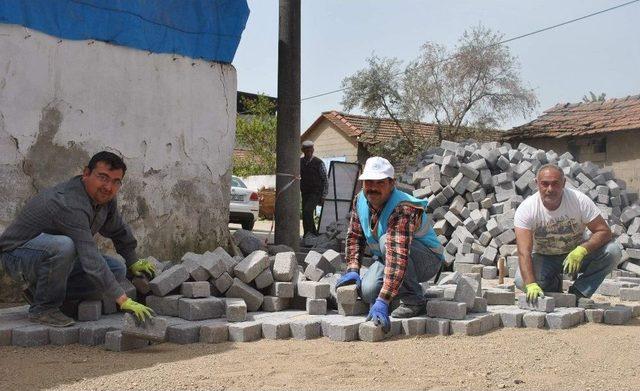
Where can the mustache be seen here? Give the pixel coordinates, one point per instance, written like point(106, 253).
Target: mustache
point(372, 192)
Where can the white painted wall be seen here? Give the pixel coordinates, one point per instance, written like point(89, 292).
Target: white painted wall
point(171, 118)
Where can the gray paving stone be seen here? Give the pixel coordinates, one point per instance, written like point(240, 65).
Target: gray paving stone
point(61, 336)
point(276, 328)
point(93, 333)
point(344, 330)
point(168, 280)
point(227, 259)
point(499, 297)
point(334, 258)
point(306, 328)
point(109, 306)
point(313, 290)
point(251, 266)
point(468, 326)
point(319, 261)
point(347, 294)
point(614, 316)
point(154, 329)
point(369, 332)
point(563, 299)
point(594, 315)
point(264, 279)
point(466, 291)
point(542, 304)
point(235, 309)
point(89, 310)
point(115, 341)
point(199, 309)
point(479, 305)
point(284, 266)
point(317, 306)
point(129, 289)
point(559, 320)
point(184, 333)
point(275, 304)
point(251, 296)
point(213, 263)
point(214, 333)
point(630, 294)
point(28, 336)
point(437, 326)
point(534, 319)
point(245, 331)
point(446, 309)
point(359, 308)
point(414, 326)
point(193, 264)
point(223, 283)
point(196, 289)
point(282, 289)
point(165, 305)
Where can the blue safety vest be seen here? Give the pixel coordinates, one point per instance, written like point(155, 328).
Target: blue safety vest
point(425, 234)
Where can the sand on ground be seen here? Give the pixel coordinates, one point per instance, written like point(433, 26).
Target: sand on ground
point(588, 357)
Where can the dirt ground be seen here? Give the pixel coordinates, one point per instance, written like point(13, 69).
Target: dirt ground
point(589, 357)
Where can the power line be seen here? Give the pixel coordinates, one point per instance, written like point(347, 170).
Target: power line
point(508, 40)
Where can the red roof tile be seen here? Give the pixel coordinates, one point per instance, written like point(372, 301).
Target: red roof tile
point(578, 119)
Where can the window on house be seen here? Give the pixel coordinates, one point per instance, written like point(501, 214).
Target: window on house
point(600, 145)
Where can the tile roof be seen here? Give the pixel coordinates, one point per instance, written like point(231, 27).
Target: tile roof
point(370, 130)
point(579, 119)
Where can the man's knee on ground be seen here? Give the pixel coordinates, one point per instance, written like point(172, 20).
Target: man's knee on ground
point(63, 247)
point(370, 291)
point(613, 253)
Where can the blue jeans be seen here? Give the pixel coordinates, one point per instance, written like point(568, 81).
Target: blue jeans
point(547, 270)
point(50, 267)
point(423, 264)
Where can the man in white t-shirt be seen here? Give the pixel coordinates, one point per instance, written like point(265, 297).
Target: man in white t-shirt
point(550, 233)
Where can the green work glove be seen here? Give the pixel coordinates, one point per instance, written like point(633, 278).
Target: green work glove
point(143, 266)
point(142, 312)
point(574, 259)
point(533, 291)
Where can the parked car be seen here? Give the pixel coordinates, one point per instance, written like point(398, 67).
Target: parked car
point(244, 204)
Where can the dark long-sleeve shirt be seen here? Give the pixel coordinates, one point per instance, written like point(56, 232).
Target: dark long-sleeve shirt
point(403, 222)
point(66, 209)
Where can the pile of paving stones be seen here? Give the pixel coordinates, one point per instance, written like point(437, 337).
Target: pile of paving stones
point(474, 189)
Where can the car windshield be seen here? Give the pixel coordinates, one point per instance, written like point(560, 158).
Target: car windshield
point(237, 182)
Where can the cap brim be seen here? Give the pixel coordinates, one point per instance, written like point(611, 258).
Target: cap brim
point(372, 177)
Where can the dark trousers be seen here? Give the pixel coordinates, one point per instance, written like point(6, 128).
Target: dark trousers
point(50, 267)
point(309, 203)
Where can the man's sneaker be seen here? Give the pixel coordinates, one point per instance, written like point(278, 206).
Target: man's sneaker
point(409, 311)
point(576, 292)
point(53, 318)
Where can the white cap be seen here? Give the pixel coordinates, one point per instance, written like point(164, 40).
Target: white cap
point(307, 143)
point(377, 168)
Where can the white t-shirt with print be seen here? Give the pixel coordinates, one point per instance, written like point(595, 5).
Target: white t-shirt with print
point(556, 231)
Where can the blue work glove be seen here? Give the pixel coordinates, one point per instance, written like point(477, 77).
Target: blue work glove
point(379, 313)
point(349, 278)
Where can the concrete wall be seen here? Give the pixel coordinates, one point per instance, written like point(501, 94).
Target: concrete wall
point(330, 142)
point(172, 119)
point(622, 152)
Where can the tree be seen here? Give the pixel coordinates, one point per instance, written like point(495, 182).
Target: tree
point(594, 98)
point(256, 131)
point(476, 84)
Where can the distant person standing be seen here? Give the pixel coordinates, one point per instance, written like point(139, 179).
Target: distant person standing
point(313, 186)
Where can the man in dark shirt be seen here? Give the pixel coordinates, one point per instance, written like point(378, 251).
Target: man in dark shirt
point(313, 186)
point(50, 245)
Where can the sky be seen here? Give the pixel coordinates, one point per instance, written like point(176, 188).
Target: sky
point(599, 54)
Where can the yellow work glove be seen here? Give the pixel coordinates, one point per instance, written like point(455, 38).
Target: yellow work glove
point(142, 312)
point(143, 266)
point(574, 259)
point(533, 291)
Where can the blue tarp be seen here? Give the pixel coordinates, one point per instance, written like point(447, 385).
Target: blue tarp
point(208, 29)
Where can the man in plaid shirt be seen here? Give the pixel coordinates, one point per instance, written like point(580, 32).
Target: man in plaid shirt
point(399, 233)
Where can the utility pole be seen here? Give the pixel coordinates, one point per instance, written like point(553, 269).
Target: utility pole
point(287, 216)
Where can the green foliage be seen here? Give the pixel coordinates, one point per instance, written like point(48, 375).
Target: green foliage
point(594, 98)
point(475, 84)
point(256, 132)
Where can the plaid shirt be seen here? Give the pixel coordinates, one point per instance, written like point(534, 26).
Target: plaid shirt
point(403, 222)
